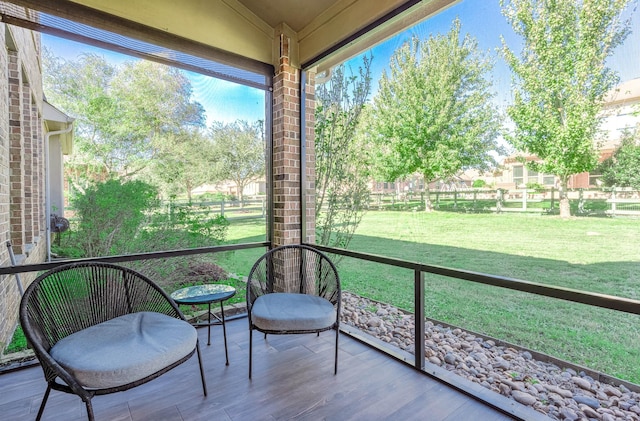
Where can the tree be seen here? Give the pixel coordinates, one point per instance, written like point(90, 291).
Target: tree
point(239, 152)
point(122, 112)
point(341, 168)
point(110, 215)
point(182, 162)
point(561, 79)
point(621, 169)
point(433, 113)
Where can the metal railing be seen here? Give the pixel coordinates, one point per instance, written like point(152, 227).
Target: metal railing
point(593, 299)
point(16, 269)
point(419, 271)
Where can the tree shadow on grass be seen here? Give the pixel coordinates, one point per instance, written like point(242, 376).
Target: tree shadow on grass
point(603, 339)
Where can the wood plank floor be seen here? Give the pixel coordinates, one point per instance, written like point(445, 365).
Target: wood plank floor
point(292, 379)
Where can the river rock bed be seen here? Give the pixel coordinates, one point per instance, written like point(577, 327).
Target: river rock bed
point(560, 393)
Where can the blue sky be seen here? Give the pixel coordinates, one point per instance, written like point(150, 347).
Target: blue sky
point(222, 100)
point(226, 101)
point(484, 21)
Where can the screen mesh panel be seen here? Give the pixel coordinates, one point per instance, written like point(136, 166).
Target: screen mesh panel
point(65, 28)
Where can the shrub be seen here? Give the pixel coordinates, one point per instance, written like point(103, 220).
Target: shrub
point(110, 214)
point(202, 272)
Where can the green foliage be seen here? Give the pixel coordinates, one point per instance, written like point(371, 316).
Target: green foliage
point(238, 150)
point(200, 220)
point(622, 168)
point(478, 184)
point(433, 113)
point(66, 246)
point(182, 162)
point(215, 197)
point(561, 79)
point(535, 186)
point(341, 166)
point(110, 214)
point(124, 114)
point(18, 342)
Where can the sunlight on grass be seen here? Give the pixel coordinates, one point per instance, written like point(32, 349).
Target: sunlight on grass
point(590, 254)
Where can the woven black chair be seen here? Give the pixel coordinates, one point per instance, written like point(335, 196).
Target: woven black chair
point(293, 289)
point(84, 322)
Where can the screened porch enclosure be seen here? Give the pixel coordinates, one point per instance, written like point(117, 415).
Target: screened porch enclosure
point(282, 51)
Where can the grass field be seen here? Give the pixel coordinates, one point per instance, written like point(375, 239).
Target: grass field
point(592, 254)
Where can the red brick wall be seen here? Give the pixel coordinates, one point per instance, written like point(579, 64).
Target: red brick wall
point(22, 176)
point(16, 154)
point(286, 150)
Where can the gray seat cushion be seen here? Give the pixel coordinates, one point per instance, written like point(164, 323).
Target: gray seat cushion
point(125, 349)
point(292, 312)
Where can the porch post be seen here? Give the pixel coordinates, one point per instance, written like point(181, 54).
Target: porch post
point(292, 159)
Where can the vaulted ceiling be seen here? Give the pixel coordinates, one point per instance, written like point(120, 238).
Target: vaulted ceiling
point(323, 32)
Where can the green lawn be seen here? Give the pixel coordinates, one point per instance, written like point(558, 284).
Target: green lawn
point(592, 254)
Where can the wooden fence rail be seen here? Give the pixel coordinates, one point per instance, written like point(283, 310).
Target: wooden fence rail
point(231, 209)
point(611, 202)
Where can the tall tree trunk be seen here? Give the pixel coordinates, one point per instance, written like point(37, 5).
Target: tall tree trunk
point(240, 187)
point(565, 209)
point(427, 200)
point(188, 185)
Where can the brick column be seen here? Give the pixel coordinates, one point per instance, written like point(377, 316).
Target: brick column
point(286, 150)
point(16, 155)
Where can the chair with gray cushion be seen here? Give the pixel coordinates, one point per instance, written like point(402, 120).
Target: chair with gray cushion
point(98, 328)
point(293, 289)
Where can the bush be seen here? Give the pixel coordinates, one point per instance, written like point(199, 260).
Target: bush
point(116, 217)
point(201, 273)
point(183, 228)
point(110, 214)
point(200, 220)
point(536, 186)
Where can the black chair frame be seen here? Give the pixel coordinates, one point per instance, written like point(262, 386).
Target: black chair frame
point(75, 296)
point(267, 271)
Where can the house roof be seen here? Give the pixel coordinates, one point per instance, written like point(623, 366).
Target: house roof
point(626, 93)
point(55, 121)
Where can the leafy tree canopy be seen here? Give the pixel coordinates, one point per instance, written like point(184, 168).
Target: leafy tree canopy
point(433, 112)
point(238, 151)
point(560, 80)
point(122, 112)
point(183, 161)
point(622, 169)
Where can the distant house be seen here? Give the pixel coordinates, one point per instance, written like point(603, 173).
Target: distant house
point(228, 187)
point(620, 113)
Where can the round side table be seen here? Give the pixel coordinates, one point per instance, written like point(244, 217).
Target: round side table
point(207, 294)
